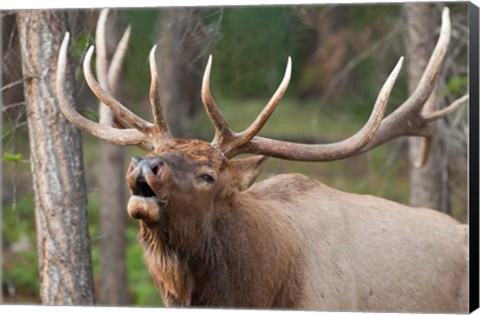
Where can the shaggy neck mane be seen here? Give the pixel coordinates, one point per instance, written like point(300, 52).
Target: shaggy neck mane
point(182, 260)
point(222, 261)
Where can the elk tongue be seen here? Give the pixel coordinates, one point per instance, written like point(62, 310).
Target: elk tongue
point(148, 209)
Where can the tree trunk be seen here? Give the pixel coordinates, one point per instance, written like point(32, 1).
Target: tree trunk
point(428, 185)
point(178, 57)
point(65, 265)
point(113, 224)
point(112, 288)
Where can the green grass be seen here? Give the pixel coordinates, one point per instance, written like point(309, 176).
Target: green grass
point(291, 119)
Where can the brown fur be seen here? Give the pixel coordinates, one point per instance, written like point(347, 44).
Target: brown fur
point(289, 241)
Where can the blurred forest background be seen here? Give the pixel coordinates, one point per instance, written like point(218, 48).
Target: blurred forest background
point(341, 56)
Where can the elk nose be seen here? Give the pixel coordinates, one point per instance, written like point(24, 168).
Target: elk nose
point(146, 166)
point(139, 170)
point(153, 165)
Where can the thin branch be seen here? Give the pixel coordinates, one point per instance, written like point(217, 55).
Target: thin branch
point(6, 134)
point(15, 83)
point(7, 107)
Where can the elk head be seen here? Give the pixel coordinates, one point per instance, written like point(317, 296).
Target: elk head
point(182, 179)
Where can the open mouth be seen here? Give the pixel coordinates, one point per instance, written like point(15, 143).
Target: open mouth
point(144, 177)
point(143, 189)
point(145, 204)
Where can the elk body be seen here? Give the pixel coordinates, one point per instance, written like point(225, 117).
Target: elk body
point(213, 237)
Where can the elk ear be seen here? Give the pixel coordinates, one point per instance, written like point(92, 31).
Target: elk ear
point(248, 170)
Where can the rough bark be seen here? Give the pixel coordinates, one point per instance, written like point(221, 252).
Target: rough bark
point(178, 55)
point(112, 287)
point(428, 185)
point(65, 266)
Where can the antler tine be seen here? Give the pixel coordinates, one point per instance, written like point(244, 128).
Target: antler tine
point(225, 139)
point(101, 63)
point(222, 131)
point(160, 122)
point(109, 134)
point(262, 118)
point(430, 116)
point(434, 115)
point(325, 152)
point(117, 61)
point(431, 74)
point(414, 116)
point(110, 81)
point(119, 110)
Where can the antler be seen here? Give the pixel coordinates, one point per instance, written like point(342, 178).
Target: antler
point(231, 143)
point(411, 118)
point(225, 138)
point(143, 133)
point(414, 116)
point(108, 76)
point(107, 133)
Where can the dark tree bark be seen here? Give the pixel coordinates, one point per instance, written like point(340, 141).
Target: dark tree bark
point(65, 265)
point(112, 288)
point(181, 66)
point(10, 67)
point(428, 185)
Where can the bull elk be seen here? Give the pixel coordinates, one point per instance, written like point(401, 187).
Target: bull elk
point(212, 237)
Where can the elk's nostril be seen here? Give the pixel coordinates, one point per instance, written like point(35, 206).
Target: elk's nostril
point(141, 169)
point(157, 168)
point(134, 162)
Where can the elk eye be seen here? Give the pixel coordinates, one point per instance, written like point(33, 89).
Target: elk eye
point(207, 178)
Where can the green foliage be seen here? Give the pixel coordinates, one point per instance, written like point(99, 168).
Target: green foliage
point(361, 16)
point(94, 231)
point(18, 220)
point(20, 266)
point(456, 85)
point(144, 34)
point(251, 54)
point(140, 283)
point(90, 115)
point(81, 44)
point(21, 270)
point(12, 157)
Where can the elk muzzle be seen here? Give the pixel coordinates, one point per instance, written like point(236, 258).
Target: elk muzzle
point(142, 173)
point(143, 179)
